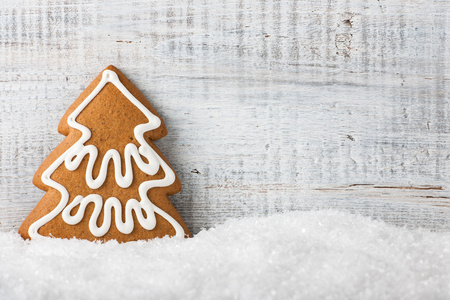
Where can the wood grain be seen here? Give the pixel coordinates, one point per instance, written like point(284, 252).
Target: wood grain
point(270, 105)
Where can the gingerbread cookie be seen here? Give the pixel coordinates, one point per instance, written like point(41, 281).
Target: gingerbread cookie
point(107, 180)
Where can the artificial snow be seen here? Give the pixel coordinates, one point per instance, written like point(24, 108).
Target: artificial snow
point(297, 255)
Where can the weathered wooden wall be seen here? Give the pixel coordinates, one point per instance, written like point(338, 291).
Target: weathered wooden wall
point(270, 105)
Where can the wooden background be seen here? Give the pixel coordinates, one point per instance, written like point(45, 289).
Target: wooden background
point(270, 105)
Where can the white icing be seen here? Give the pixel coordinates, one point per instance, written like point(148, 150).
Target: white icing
point(73, 156)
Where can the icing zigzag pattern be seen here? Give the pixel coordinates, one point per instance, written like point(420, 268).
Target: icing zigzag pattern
point(74, 158)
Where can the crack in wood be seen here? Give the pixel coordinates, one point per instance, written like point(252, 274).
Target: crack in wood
point(435, 197)
point(424, 187)
point(418, 187)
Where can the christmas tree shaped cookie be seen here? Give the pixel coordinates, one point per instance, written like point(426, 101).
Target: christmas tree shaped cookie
point(107, 180)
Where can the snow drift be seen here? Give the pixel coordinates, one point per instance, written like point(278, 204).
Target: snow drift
point(297, 255)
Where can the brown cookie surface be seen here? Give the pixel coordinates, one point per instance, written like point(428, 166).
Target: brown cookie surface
point(111, 119)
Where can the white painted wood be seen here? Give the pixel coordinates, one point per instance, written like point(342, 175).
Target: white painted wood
point(270, 105)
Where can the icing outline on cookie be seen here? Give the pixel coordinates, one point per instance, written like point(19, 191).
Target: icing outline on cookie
point(73, 156)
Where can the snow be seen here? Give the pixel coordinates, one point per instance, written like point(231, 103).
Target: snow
point(296, 255)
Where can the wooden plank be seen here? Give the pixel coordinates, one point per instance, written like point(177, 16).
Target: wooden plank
point(270, 105)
